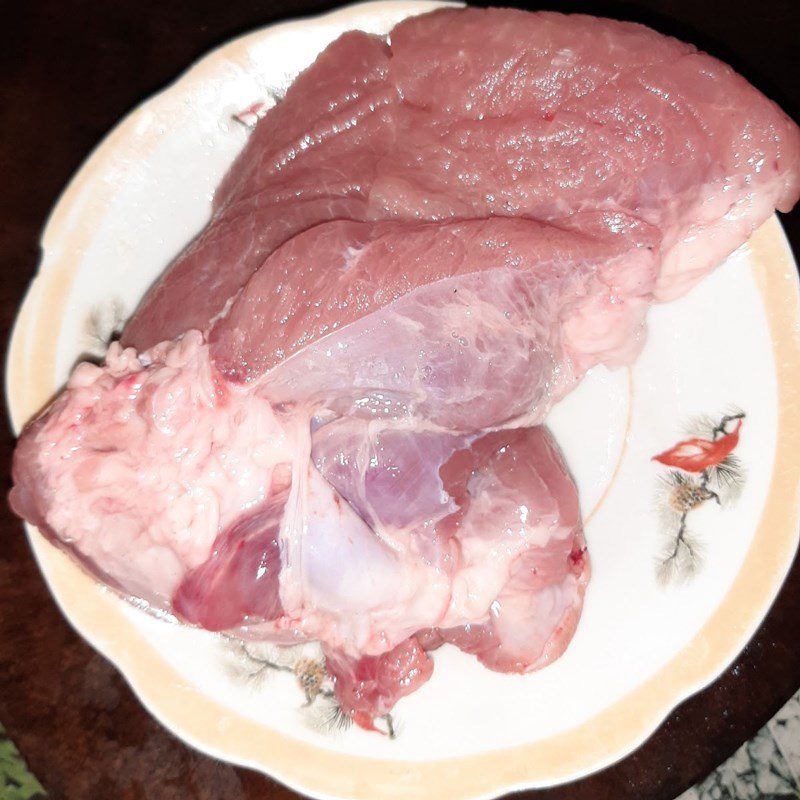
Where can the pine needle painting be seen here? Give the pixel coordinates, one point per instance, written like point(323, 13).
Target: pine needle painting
point(703, 469)
point(255, 662)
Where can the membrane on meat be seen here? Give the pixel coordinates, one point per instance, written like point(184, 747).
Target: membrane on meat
point(324, 420)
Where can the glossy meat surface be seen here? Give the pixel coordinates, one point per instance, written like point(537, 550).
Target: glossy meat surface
point(359, 536)
point(388, 319)
point(288, 178)
point(471, 113)
point(325, 419)
point(138, 466)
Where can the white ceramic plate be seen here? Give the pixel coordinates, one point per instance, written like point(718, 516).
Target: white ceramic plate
point(643, 645)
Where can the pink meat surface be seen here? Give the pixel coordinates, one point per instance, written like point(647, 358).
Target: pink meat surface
point(472, 113)
point(137, 467)
point(288, 178)
point(329, 426)
point(391, 319)
point(358, 536)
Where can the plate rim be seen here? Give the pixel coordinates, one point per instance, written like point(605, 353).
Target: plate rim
point(97, 616)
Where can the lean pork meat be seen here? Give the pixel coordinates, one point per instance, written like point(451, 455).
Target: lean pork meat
point(469, 113)
point(324, 420)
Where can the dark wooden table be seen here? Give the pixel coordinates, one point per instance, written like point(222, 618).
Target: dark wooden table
point(68, 71)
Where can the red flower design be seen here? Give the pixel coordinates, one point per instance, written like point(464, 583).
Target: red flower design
point(697, 455)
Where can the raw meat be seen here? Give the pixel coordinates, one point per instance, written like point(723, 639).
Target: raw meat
point(542, 115)
point(139, 466)
point(370, 686)
point(394, 320)
point(472, 113)
point(329, 428)
point(321, 548)
point(288, 178)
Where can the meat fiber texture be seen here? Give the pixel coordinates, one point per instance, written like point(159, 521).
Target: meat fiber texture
point(474, 113)
point(324, 421)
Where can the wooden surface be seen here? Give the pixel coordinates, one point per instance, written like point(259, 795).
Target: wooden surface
point(68, 71)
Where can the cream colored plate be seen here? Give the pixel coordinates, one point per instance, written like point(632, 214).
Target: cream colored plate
point(642, 645)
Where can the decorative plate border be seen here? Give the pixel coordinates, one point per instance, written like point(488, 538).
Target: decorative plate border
point(98, 615)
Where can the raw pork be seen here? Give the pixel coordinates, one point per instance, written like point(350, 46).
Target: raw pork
point(472, 113)
point(383, 532)
point(393, 319)
point(329, 428)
